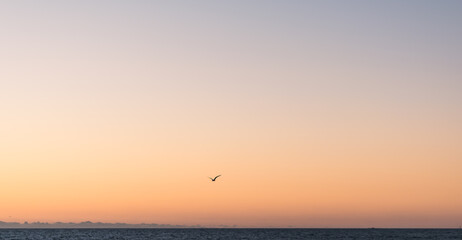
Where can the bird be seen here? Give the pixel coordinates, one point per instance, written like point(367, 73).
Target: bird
point(215, 178)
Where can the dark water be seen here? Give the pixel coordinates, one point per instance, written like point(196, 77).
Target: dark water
point(135, 234)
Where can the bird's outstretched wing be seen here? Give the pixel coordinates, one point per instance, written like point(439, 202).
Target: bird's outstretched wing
point(216, 177)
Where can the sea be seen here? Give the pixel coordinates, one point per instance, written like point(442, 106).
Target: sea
point(227, 233)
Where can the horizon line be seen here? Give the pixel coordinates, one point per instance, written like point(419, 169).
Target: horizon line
point(121, 225)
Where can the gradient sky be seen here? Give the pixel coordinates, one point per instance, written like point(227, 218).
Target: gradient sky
point(316, 113)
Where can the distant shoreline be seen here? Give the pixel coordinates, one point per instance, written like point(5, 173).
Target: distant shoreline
point(101, 225)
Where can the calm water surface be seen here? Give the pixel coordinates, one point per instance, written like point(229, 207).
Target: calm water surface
point(135, 234)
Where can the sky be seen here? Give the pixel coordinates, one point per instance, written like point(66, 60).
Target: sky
point(315, 113)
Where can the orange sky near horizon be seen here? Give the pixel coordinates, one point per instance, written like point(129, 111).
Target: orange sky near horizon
point(120, 111)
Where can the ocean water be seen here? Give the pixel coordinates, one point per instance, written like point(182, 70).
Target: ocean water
point(138, 234)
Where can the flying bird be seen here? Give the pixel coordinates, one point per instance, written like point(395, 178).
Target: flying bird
point(215, 178)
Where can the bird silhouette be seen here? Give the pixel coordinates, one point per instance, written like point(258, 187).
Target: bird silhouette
point(215, 178)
